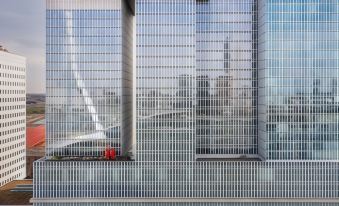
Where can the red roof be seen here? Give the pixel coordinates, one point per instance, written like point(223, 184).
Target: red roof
point(35, 135)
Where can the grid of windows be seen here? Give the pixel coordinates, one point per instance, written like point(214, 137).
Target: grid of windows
point(226, 77)
point(12, 117)
point(186, 180)
point(165, 80)
point(299, 79)
point(88, 77)
point(187, 50)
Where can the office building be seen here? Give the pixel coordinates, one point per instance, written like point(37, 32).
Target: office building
point(233, 102)
point(12, 117)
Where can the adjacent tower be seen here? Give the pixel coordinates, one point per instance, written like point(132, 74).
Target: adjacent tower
point(12, 116)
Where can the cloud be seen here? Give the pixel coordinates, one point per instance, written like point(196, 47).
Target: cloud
point(22, 32)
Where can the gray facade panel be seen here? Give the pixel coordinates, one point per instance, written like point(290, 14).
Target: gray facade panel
point(128, 32)
point(186, 180)
point(193, 204)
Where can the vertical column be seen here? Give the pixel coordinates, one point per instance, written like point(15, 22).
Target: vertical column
point(128, 79)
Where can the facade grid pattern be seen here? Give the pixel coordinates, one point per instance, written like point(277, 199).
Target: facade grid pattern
point(226, 78)
point(298, 59)
point(88, 90)
point(165, 80)
point(186, 180)
point(12, 117)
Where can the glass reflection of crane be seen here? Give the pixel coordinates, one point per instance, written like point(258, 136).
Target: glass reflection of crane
point(99, 129)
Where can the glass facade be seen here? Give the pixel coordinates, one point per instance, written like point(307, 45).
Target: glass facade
point(88, 77)
point(165, 80)
point(298, 58)
point(217, 85)
point(226, 78)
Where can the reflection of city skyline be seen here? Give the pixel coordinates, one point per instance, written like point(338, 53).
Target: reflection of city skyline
point(231, 103)
point(226, 95)
point(308, 115)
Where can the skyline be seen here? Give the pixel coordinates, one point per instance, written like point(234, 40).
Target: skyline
point(25, 17)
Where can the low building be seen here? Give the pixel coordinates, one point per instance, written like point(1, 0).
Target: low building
point(35, 141)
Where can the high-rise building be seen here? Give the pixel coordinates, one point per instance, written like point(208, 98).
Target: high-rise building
point(12, 116)
point(209, 102)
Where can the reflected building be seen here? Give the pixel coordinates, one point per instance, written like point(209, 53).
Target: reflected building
point(225, 44)
point(210, 102)
point(203, 94)
point(223, 92)
point(185, 89)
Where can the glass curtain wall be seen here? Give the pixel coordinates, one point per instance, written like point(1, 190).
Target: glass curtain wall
point(165, 80)
point(226, 78)
point(300, 79)
point(84, 85)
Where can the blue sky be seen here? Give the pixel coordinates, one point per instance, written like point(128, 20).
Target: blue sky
point(22, 31)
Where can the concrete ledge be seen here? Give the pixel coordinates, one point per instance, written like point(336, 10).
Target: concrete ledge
point(174, 200)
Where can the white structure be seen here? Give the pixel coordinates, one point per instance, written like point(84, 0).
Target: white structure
point(12, 117)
